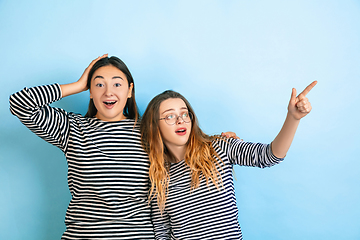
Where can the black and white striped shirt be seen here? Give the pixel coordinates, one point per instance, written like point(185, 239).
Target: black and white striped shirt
point(107, 167)
point(206, 212)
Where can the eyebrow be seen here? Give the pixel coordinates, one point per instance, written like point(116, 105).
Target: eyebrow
point(171, 109)
point(115, 77)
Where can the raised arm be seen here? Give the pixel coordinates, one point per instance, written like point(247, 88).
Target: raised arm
point(32, 107)
point(299, 107)
point(81, 84)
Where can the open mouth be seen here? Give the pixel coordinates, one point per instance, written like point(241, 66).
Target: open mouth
point(181, 131)
point(109, 103)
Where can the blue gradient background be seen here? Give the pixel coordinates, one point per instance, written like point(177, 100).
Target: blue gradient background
point(236, 62)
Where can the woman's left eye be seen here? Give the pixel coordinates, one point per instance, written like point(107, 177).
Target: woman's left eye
point(117, 85)
point(185, 114)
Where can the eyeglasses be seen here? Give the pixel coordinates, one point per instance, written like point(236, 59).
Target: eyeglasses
point(172, 118)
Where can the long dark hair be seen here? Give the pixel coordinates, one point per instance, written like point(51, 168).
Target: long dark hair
point(131, 109)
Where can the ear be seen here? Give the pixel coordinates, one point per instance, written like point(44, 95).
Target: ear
point(130, 90)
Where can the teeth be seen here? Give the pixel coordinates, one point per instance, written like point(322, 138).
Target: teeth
point(109, 103)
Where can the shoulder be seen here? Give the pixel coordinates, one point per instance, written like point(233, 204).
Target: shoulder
point(224, 143)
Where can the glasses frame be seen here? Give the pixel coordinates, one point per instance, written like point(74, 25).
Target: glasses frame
point(177, 118)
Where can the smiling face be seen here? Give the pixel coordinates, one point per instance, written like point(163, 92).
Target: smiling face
point(176, 136)
point(110, 90)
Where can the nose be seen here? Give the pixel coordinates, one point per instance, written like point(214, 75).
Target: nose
point(179, 120)
point(108, 91)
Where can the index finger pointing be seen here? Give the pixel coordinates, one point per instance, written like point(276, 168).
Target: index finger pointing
point(308, 88)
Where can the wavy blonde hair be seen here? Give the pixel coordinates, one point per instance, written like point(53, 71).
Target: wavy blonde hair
point(200, 156)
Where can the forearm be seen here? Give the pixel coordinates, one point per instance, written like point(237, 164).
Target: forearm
point(71, 88)
point(27, 102)
point(283, 140)
point(32, 107)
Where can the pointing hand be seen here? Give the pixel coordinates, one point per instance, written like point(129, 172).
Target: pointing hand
point(299, 106)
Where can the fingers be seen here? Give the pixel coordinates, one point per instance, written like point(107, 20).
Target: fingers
point(84, 76)
point(305, 109)
point(230, 135)
point(97, 59)
point(300, 106)
point(105, 55)
point(307, 89)
point(304, 105)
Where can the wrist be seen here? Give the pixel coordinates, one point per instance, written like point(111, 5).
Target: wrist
point(292, 116)
point(71, 88)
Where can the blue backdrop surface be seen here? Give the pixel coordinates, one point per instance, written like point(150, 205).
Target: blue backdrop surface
point(236, 62)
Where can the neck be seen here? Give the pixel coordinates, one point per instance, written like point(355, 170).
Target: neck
point(178, 152)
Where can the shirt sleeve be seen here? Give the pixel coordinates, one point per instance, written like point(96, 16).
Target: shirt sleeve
point(32, 107)
point(248, 153)
point(161, 222)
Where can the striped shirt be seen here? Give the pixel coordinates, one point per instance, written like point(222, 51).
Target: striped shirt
point(206, 212)
point(107, 167)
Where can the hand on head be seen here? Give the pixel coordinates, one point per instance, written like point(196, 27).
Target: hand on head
point(84, 76)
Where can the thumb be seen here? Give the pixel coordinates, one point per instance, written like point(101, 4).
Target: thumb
point(293, 95)
point(293, 99)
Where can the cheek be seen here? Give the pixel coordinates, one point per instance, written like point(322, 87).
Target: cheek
point(95, 93)
point(165, 131)
point(122, 92)
point(189, 128)
point(162, 128)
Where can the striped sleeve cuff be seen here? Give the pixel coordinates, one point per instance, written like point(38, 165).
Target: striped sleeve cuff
point(272, 158)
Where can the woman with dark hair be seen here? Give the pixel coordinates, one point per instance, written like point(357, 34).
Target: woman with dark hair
point(107, 166)
point(192, 190)
point(130, 109)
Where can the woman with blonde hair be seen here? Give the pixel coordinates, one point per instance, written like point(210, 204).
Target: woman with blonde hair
point(192, 190)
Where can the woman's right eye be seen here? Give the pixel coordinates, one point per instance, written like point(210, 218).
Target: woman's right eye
point(170, 116)
point(99, 85)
